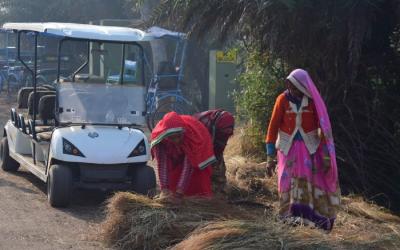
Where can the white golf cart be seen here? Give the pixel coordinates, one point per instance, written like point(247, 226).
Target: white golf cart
point(84, 131)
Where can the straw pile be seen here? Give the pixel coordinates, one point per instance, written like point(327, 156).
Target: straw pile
point(268, 234)
point(137, 222)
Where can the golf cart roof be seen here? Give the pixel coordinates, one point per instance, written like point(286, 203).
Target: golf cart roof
point(81, 31)
point(93, 32)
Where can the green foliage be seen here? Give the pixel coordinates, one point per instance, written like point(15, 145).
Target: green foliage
point(261, 82)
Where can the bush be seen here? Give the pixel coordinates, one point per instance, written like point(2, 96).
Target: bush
point(261, 82)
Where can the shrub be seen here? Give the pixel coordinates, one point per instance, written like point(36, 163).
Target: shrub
point(261, 82)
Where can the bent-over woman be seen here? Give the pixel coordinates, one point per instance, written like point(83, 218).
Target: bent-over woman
point(183, 149)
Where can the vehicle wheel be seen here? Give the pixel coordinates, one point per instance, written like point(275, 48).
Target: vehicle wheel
point(143, 180)
point(7, 163)
point(180, 107)
point(59, 186)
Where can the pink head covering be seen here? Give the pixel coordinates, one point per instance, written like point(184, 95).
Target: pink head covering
point(302, 80)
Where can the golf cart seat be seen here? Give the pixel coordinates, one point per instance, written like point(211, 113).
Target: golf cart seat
point(23, 95)
point(22, 125)
point(44, 136)
point(39, 94)
point(46, 109)
point(168, 78)
point(43, 133)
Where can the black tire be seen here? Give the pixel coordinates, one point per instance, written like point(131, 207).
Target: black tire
point(181, 108)
point(7, 163)
point(59, 186)
point(143, 180)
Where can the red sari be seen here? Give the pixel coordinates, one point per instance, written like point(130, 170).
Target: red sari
point(185, 166)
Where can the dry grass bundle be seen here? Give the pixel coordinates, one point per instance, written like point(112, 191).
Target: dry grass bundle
point(245, 177)
point(269, 234)
point(363, 224)
point(358, 207)
point(241, 234)
point(137, 222)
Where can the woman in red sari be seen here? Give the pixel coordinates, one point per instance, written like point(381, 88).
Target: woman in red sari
point(183, 149)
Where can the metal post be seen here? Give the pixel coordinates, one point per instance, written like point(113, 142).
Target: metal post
point(19, 54)
point(84, 64)
point(121, 77)
point(181, 66)
point(59, 60)
point(35, 100)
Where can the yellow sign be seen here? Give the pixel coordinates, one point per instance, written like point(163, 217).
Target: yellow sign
point(229, 56)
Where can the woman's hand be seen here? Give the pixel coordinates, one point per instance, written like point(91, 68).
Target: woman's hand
point(168, 197)
point(164, 196)
point(271, 166)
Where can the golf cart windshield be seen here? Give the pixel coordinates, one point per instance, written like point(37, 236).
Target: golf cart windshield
point(91, 103)
point(96, 92)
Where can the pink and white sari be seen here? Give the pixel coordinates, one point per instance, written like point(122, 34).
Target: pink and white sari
point(308, 183)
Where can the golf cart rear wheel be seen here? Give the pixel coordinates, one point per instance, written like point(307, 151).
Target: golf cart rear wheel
point(144, 180)
point(7, 163)
point(59, 186)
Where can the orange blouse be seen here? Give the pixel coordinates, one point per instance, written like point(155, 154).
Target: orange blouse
point(284, 119)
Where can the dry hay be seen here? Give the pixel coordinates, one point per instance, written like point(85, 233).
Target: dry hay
point(137, 222)
point(245, 177)
point(361, 222)
point(242, 234)
point(358, 207)
point(269, 234)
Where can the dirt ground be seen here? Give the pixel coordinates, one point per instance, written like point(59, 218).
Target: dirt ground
point(27, 221)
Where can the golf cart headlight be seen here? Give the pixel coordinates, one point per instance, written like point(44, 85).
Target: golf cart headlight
point(70, 149)
point(140, 149)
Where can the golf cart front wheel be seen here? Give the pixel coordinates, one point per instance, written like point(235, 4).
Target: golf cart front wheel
point(59, 186)
point(7, 163)
point(143, 180)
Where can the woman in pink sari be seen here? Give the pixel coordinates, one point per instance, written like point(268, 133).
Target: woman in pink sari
point(300, 134)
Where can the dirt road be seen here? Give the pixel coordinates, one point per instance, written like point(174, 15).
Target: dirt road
point(28, 222)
